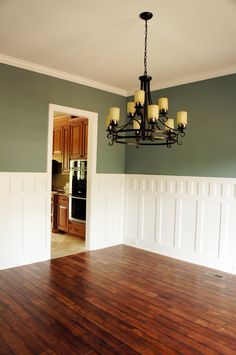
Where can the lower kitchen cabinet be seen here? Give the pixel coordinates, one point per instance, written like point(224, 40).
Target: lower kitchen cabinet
point(77, 229)
point(54, 213)
point(60, 217)
point(63, 213)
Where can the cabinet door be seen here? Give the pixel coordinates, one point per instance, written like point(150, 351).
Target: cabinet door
point(76, 139)
point(85, 139)
point(77, 229)
point(54, 213)
point(62, 217)
point(57, 141)
point(65, 148)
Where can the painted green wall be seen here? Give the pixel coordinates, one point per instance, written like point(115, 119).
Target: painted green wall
point(209, 148)
point(24, 102)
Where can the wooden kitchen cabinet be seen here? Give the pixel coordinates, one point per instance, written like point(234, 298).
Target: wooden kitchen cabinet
point(60, 217)
point(61, 142)
point(54, 213)
point(78, 138)
point(62, 213)
point(77, 229)
point(57, 141)
point(70, 140)
point(85, 138)
point(65, 148)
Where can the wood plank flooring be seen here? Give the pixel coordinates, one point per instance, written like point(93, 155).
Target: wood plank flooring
point(118, 300)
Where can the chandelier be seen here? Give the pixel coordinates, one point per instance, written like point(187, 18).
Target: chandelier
point(147, 123)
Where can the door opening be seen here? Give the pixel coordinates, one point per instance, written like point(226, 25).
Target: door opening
point(71, 171)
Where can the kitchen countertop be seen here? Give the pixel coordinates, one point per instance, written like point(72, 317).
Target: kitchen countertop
point(60, 193)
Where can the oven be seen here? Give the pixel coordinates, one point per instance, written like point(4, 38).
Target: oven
point(77, 209)
point(78, 190)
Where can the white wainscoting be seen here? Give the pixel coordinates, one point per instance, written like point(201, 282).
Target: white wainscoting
point(189, 218)
point(24, 219)
point(25, 216)
point(107, 211)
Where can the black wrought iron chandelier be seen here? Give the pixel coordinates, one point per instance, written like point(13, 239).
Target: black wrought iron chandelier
point(147, 123)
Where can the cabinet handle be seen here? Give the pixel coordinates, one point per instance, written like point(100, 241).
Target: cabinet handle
point(63, 207)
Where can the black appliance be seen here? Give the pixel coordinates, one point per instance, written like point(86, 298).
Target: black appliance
point(78, 187)
point(56, 167)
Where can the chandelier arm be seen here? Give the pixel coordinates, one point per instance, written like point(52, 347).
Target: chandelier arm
point(176, 130)
point(180, 134)
point(118, 128)
point(163, 120)
point(146, 130)
point(147, 144)
point(179, 142)
point(157, 126)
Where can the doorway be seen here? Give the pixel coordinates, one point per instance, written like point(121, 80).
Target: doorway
point(72, 146)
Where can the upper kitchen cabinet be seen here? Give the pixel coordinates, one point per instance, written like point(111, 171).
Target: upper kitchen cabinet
point(57, 141)
point(66, 148)
point(61, 142)
point(85, 135)
point(78, 138)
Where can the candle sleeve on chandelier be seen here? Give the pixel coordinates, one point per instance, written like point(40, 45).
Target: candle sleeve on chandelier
point(163, 103)
point(170, 123)
point(130, 107)
point(182, 118)
point(153, 111)
point(139, 96)
point(108, 120)
point(136, 124)
point(114, 113)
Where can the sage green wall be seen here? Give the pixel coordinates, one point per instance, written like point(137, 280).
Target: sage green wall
point(24, 102)
point(209, 148)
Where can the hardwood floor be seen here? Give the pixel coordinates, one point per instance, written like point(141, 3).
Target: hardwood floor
point(118, 300)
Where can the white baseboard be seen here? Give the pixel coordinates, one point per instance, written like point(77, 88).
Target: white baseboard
point(18, 260)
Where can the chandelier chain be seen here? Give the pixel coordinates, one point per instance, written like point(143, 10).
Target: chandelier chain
point(145, 49)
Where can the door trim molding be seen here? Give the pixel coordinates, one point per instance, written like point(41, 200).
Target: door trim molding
point(92, 164)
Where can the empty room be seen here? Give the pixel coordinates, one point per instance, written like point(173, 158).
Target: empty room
point(117, 177)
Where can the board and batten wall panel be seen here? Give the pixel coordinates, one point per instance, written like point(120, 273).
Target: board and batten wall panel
point(189, 218)
point(187, 227)
point(24, 219)
point(107, 204)
point(25, 216)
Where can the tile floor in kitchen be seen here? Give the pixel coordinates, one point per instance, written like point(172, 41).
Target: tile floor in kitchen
point(63, 244)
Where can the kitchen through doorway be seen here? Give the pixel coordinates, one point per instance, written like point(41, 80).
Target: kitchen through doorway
point(68, 184)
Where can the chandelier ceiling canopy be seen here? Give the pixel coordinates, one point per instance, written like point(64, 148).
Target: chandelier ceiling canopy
point(146, 123)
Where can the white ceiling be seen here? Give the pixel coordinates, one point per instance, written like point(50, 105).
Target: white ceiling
point(102, 40)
